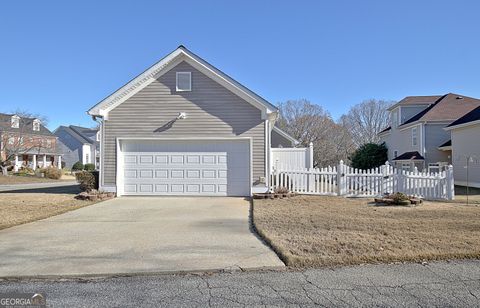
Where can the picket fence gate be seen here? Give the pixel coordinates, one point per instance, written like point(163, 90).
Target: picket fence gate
point(343, 180)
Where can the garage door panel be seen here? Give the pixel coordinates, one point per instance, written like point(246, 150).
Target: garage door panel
point(193, 174)
point(161, 188)
point(146, 159)
point(130, 174)
point(146, 174)
point(161, 173)
point(177, 188)
point(161, 159)
point(130, 159)
point(187, 168)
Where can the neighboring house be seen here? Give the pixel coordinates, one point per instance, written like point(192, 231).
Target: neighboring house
point(183, 127)
point(416, 137)
point(79, 144)
point(27, 142)
point(465, 147)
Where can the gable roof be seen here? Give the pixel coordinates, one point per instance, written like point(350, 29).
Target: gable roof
point(81, 134)
point(410, 156)
point(469, 118)
point(385, 130)
point(25, 126)
point(447, 108)
point(89, 134)
point(165, 64)
point(446, 144)
point(416, 100)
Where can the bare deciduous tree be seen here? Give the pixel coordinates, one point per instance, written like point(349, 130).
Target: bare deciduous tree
point(308, 122)
point(365, 120)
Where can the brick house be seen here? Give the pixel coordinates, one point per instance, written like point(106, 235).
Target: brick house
point(26, 142)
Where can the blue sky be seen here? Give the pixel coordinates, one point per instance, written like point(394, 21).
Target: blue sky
point(59, 58)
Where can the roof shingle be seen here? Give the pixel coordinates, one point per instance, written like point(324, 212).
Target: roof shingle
point(410, 156)
point(473, 115)
point(447, 108)
point(26, 126)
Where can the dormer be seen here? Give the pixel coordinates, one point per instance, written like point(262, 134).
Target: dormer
point(410, 106)
point(36, 125)
point(15, 121)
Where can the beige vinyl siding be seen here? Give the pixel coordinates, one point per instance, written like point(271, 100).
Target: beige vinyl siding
point(466, 143)
point(436, 136)
point(401, 141)
point(212, 111)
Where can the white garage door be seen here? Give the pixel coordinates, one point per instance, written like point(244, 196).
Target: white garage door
point(210, 168)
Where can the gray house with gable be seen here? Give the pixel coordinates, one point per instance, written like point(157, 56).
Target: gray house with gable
point(79, 144)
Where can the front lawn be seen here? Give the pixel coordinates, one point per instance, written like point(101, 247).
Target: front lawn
point(309, 231)
point(20, 208)
point(461, 195)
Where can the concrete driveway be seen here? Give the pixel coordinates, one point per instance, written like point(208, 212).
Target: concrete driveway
point(137, 235)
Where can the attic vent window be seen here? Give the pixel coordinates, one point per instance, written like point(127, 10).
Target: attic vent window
point(459, 97)
point(36, 125)
point(184, 81)
point(15, 121)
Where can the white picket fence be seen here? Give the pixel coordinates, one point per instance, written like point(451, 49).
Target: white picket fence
point(343, 180)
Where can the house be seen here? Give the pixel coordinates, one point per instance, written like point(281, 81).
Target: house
point(183, 127)
point(26, 142)
point(416, 136)
point(79, 144)
point(465, 147)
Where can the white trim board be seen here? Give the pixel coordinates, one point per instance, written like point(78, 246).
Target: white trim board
point(180, 54)
point(471, 123)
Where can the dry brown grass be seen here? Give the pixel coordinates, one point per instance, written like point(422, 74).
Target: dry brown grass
point(461, 195)
point(322, 231)
point(15, 179)
point(20, 208)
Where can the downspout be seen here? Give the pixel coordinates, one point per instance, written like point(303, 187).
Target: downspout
point(423, 139)
point(267, 153)
point(269, 123)
point(100, 173)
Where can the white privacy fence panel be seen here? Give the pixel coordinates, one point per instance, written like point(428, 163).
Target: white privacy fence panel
point(293, 157)
point(343, 180)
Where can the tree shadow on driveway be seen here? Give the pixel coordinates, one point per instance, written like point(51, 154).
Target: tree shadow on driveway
point(69, 189)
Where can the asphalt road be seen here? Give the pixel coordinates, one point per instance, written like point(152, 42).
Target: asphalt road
point(443, 284)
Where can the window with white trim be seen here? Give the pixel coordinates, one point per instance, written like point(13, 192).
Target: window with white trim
point(184, 81)
point(15, 121)
point(36, 125)
point(414, 136)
